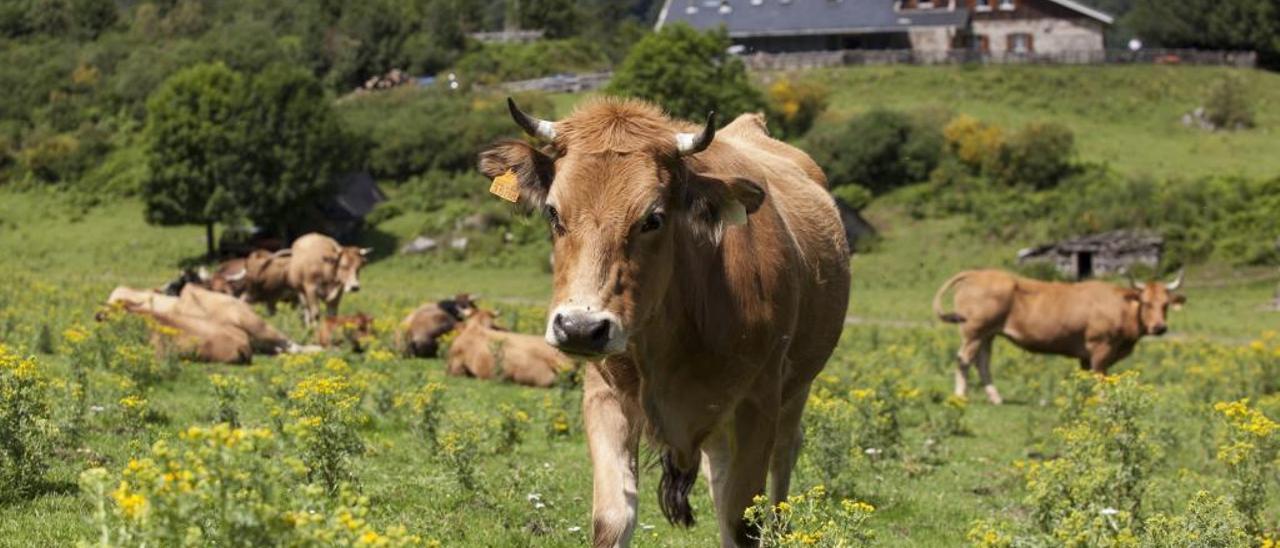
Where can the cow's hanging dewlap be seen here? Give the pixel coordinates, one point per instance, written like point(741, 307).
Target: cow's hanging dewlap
point(505, 186)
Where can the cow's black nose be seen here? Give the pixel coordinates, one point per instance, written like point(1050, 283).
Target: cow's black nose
point(355, 289)
point(581, 332)
point(1159, 329)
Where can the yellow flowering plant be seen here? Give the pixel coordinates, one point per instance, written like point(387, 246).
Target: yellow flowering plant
point(324, 412)
point(1248, 448)
point(810, 519)
point(27, 430)
point(426, 404)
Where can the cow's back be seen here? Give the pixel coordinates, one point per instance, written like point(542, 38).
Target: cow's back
point(313, 257)
point(809, 249)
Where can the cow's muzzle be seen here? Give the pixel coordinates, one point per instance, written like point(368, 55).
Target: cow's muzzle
point(584, 332)
point(1159, 329)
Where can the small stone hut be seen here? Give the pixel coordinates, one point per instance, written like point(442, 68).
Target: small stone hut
point(1098, 254)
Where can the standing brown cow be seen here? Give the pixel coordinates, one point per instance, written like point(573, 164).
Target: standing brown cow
point(484, 352)
point(707, 275)
point(1095, 322)
point(321, 271)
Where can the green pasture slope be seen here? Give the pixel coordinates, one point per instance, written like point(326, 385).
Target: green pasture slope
point(929, 496)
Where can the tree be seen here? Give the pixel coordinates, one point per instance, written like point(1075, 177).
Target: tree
point(689, 73)
point(1211, 24)
point(194, 149)
point(294, 146)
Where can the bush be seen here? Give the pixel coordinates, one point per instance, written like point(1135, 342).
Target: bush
point(689, 73)
point(857, 196)
point(1228, 105)
point(225, 486)
point(1039, 156)
point(811, 520)
point(880, 150)
point(972, 142)
point(794, 106)
point(324, 408)
point(26, 428)
point(496, 63)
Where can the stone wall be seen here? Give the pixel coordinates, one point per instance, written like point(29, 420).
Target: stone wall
point(1050, 36)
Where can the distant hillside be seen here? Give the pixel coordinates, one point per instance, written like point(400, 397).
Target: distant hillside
point(1127, 116)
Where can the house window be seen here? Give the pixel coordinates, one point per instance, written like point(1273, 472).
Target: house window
point(984, 43)
point(982, 5)
point(1021, 43)
point(1007, 5)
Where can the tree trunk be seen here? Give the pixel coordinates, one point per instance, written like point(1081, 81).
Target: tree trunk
point(208, 240)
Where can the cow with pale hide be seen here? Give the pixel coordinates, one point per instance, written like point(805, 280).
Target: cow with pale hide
point(1094, 322)
point(706, 276)
point(320, 271)
point(200, 303)
point(266, 279)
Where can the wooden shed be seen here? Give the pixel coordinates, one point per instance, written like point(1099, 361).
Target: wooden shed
point(1098, 254)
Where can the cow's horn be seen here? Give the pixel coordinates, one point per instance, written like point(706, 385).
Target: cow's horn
point(364, 251)
point(693, 143)
point(202, 273)
point(237, 276)
point(1132, 282)
point(1177, 282)
point(535, 127)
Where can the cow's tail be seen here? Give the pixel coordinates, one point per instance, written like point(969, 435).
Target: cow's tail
point(949, 317)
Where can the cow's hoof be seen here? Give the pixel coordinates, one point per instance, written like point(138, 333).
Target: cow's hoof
point(994, 395)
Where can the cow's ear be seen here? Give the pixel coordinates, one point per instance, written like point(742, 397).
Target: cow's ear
point(1178, 301)
point(713, 202)
point(1133, 295)
point(534, 170)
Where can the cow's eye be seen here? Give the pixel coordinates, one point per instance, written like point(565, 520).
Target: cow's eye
point(553, 217)
point(653, 222)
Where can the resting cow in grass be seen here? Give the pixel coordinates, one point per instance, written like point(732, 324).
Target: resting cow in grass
point(203, 304)
point(482, 351)
point(420, 331)
point(706, 275)
point(1095, 322)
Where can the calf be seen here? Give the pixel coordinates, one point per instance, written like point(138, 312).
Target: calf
point(1094, 322)
point(335, 330)
point(483, 352)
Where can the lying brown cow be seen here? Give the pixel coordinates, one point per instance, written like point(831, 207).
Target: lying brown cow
point(195, 337)
point(1095, 322)
point(483, 352)
point(707, 274)
point(420, 332)
point(321, 271)
point(353, 330)
point(197, 302)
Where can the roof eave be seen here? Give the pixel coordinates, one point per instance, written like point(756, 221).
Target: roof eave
point(1099, 15)
point(814, 32)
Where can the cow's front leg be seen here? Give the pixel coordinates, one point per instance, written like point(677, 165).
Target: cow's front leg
point(331, 306)
point(612, 439)
point(753, 429)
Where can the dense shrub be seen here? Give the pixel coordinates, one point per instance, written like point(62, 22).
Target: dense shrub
point(26, 428)
point(689, 73)
point(1038, 156)
point(880, 150)
point(794, 106)
point(412, 132)
point(494, 63)
point(1228, 105)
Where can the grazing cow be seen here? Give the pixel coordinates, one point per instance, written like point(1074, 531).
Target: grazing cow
point(1095, 322)
point(267, 279)
point(483, 352)
point(195, 337)
point(420, 332)
point(335, 330)
point(707, 276)
point(321, 271)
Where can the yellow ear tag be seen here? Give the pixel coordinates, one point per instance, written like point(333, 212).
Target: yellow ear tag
point(506, 187)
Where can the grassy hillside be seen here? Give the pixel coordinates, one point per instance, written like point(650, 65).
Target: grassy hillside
point(1127, 116)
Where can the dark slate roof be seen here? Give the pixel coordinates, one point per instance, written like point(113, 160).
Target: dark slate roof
point(745, 18)
point(1115, 242)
